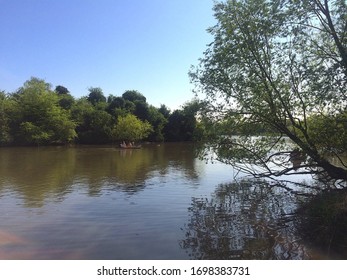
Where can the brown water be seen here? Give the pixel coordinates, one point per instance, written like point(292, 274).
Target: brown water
point(158, 202)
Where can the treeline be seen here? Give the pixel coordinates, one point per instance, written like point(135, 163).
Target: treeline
point(37, 115)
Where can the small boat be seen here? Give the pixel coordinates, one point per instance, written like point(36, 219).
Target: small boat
point(124, 146)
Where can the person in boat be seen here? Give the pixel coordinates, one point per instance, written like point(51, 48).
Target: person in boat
point(129, 145)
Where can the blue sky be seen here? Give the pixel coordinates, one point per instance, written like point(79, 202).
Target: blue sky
point(117, 45)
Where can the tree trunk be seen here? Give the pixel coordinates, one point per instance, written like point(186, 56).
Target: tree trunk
point(333, 171)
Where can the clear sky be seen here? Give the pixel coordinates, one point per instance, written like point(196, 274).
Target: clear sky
point(117, 45)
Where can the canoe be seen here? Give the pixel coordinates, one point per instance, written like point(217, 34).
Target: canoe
point(130, 147)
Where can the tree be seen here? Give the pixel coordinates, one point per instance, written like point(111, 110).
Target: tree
point(130, 128)
point(114, 103)
point(141, 110)
point(133, 95)
point(164, 110)
point(96, 95)
point(94, 125)
point(276, 64)
point(37, 118)
point(66, 101)
point(180, 126)
point(158, 122)
point(61, 90)
point(5, 136)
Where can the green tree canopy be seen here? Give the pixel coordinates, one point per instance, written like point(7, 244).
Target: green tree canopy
point(96, 95)
point(276, 64)
point(36, 114)
point(164, 110)
point(133, 95)
point(158, 122)
point(130, 128)
point(61, 90)
point(115, 102)
point(180, 126)
point(94, 125)
point(5, 136)
point(37, 118)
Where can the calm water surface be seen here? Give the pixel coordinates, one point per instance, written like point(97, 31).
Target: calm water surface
point(159, 202)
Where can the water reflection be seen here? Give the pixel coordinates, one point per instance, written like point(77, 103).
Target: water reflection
point(108, 203)
point(38, 173)
point(243, 220)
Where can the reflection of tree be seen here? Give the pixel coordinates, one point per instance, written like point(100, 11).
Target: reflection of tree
point(246, 220)
point(180, 156)
point(38, 173)
point(322, 223)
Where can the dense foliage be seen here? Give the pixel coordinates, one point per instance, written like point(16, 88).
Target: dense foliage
point(37, 115)
point(278, 68)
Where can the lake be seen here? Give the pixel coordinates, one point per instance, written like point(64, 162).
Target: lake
point(158, 202)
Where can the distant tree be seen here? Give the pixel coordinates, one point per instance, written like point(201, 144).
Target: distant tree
point(61, 90)
point(129, 106)
point(5, 136)
point(96, 95)
point(192, 107)
point(164, 110)
point(158, 122)
point(180, 126)
point(100, 127)
point(80, 109)
point(141, 110)
point(93, 125)
point(36, 117)
point(35, 114)
point(114, 102)
point(130, 128)
point(66, 101)
point(133, 95)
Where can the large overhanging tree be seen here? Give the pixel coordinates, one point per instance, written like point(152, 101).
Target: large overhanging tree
point(280, 68)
